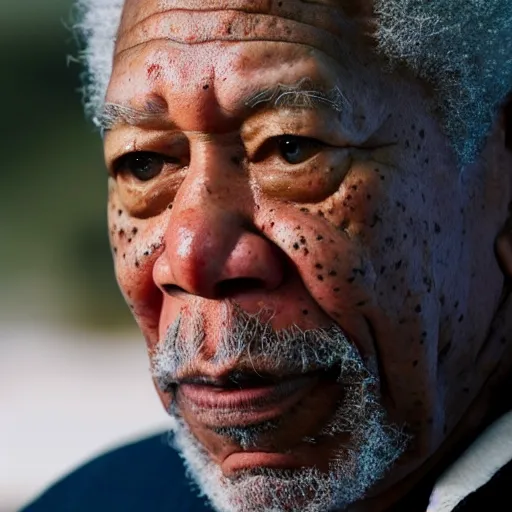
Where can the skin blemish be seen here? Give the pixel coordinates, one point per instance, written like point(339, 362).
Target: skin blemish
point(398, 264)
point(121, 233)
point(320, 277)
point(422, 133)
point(437, 228)
point(306, 252)
point(272, 224)
point(135, 231)
point(319, 238)
point(382, 270)
point(335, 290)
point(319, 266)
point(206, 87)
point(137, 264)
point(444, 352)
point(296, 246)
point(351, 280)
point(302, 240)
point(417, 309)
point(154, 71)
point(361, 303)
point(333, 273)
point(304, 210)
point(305, 312)
point(119, 212)
point(415, 363)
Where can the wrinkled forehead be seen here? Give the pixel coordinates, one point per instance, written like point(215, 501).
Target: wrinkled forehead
point(332, 26)
point(136, 11)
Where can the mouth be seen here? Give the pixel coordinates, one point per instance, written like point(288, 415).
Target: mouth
point(243, 400)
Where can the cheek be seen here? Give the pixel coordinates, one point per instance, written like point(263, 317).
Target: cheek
point(136, 244)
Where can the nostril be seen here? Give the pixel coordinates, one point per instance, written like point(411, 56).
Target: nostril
point(172, 289)
point(231, 287)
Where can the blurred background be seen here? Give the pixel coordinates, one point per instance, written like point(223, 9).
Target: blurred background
point(73, 369)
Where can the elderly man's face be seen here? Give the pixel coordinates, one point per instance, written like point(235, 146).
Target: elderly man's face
point(267, 175)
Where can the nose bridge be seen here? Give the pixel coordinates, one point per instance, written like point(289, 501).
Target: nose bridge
point(208, 239)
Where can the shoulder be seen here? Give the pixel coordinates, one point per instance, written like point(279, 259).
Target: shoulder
point(146, 475)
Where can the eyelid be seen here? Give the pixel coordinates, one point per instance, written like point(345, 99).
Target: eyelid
point(300, 123)
point(119, 144)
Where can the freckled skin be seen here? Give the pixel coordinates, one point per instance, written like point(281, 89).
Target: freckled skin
point(379, 233)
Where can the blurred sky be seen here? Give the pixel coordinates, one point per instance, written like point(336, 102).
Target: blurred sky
point(73, 372)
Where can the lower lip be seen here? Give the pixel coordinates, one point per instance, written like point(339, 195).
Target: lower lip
point(218, 407)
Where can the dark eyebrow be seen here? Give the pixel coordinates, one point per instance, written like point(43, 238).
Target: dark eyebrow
point(305, 94)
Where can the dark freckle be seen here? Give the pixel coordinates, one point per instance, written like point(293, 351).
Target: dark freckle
point(119, 212)
point(456, 305)
point(418, 308)
point(272, 224)
point(389, 241)
point(306, 252)
point(124, 256)
point(354, 187)
point(422, 134)
point(137, 264)
point(304, 210)
point(320, 277)
point(271, 210)
point(361, 303)
point(405, 236)
point(336, 290)
point(398, 264)
point(121, 232)
point(407, 144)
point(437, 227)
point(415, 363)
point(333, 273)
point(427, 160)
point(377, 170)
point(302, 240)
point(319, 237)
point(319, 266)
point(146, 253)
point(368, 196)
point(444, 352)
point(305, 312)
point(115, 250)
point(321, 213)
point(351, 279)
point(169, 207)
point(382, 178)
point(461, 318)
point(441, 300)
point(296, 246)
point(208, 190)
point(376, 219)
point(393, 288)
point(382, 270)
point(413, 127)
point(129, 240)
point(206, 86)
point(402, 321)
point(135, 231)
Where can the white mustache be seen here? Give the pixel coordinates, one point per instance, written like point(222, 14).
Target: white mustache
point(249, 345)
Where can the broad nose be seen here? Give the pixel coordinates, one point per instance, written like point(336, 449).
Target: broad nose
point(212, 250)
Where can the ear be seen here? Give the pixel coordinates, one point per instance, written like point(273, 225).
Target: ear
point(504, 246)
point(504, 240)
point(507, 113)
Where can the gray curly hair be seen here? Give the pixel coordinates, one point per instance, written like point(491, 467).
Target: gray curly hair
point(462, 48)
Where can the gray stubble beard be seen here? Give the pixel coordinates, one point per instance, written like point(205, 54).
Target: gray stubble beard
point(355, 467)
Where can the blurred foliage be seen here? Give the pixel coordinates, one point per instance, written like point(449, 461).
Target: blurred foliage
point(55, 262)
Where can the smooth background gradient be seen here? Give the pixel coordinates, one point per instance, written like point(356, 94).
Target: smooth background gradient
point(73, 371)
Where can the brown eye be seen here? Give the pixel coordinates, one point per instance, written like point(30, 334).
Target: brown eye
point(143, 165)
point(295, 150)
